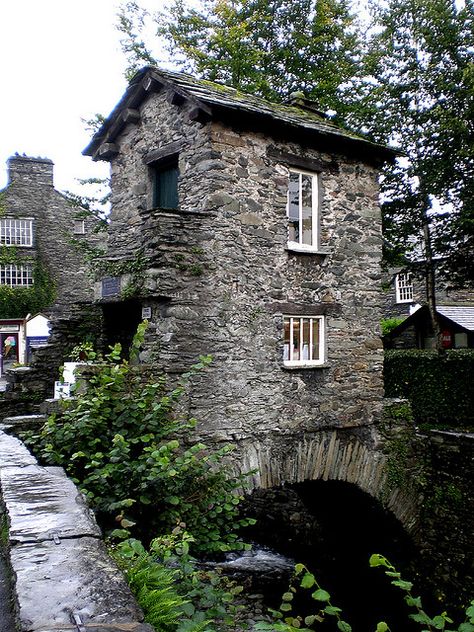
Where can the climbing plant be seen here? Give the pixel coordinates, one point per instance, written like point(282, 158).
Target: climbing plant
point(325, 611)
point(18, 301)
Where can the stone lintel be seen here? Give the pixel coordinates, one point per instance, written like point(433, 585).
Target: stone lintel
point(303, 162)
point(162, 153)
point(305, 309)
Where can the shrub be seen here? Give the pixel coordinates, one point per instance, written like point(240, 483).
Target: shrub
point(439, 386)
point(129, 450)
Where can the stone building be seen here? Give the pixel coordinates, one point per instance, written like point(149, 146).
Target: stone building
point(250, 231)
point(37, 224)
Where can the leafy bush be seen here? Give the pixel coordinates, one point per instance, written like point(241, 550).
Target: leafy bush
point(124, 443)
point(174, 591)
point(439, 386)
point(388, 324)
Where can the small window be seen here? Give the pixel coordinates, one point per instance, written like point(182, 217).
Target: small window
point(164, 179)
point(16, 275)
point(16, 232)
point(79, 227)
point(302, 211)
point(404, 287)
point(304, 341)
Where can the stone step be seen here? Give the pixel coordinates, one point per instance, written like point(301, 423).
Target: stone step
point(22, 422)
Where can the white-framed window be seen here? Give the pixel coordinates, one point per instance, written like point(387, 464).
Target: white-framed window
point(16, 275)
point(79, 227)
point(404, 287)
point(304, 343)
point(303, 210)
point(16, 232)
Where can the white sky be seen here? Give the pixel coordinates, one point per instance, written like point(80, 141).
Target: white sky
point(60, 61)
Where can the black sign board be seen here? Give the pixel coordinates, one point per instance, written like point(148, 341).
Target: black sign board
point(110, 286)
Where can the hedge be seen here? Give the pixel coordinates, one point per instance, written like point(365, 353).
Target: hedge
point(440, 386)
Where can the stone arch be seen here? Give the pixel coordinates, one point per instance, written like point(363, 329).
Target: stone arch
point(334, 454)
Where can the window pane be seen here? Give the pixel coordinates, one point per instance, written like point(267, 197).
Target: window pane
point(286, 346)
point(296, 339)
point(306, 348)
point(316, 322)
point(307, 209)
point(294, 207)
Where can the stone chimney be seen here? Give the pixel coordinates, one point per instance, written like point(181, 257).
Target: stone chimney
point(27, 168)
point(298, 100)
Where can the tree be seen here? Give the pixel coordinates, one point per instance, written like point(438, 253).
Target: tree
point(267, 47)
point(417, 93)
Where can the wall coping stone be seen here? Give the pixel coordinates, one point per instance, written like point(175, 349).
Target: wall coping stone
point(63, 578)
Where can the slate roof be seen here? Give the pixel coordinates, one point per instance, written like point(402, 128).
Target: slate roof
point(219, 101)
point(459, 314)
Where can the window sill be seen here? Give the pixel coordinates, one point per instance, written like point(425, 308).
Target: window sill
point(307, 251)
point(304, 365)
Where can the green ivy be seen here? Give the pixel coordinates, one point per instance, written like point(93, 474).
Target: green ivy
point(17, 302)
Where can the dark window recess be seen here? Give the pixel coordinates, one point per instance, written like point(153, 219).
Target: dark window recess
point(165, 184)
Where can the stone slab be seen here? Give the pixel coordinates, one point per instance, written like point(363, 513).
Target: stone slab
point(13, 453)
point(76, 577)
point(119, 627)
point(42, 503)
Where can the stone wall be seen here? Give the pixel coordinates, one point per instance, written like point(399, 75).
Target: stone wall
point(62, 577)
point(30, 193)
point(220, 278)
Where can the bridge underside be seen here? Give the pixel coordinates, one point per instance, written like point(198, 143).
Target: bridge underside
point(350, 455)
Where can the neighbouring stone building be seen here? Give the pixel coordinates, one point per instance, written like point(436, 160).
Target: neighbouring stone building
point(405, 291)
point(38, 261)
point(38, 222)
point(250, 231)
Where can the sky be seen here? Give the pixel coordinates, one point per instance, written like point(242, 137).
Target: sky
point(60, 62)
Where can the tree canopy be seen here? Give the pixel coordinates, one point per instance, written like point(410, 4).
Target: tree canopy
point(405, 77)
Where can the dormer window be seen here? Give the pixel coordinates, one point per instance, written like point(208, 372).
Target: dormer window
point(164, 181)
point(303, 211)
point(16, 232)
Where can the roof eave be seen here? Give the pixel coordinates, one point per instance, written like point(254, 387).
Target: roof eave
point(149, 80)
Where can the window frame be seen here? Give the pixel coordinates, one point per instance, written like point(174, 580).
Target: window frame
point(22, 272)
point(315, 211)
point(307, 362)
point(404, 286)
point(26, 242)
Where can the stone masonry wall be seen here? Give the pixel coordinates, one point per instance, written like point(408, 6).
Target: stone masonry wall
point(30, 193)
point(220, 277)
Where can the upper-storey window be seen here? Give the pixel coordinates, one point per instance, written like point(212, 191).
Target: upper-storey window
point(404, 287)
point(16, 232)
point(164, 179)
point(16, 275)
point(303, 211)
point(304, 341)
